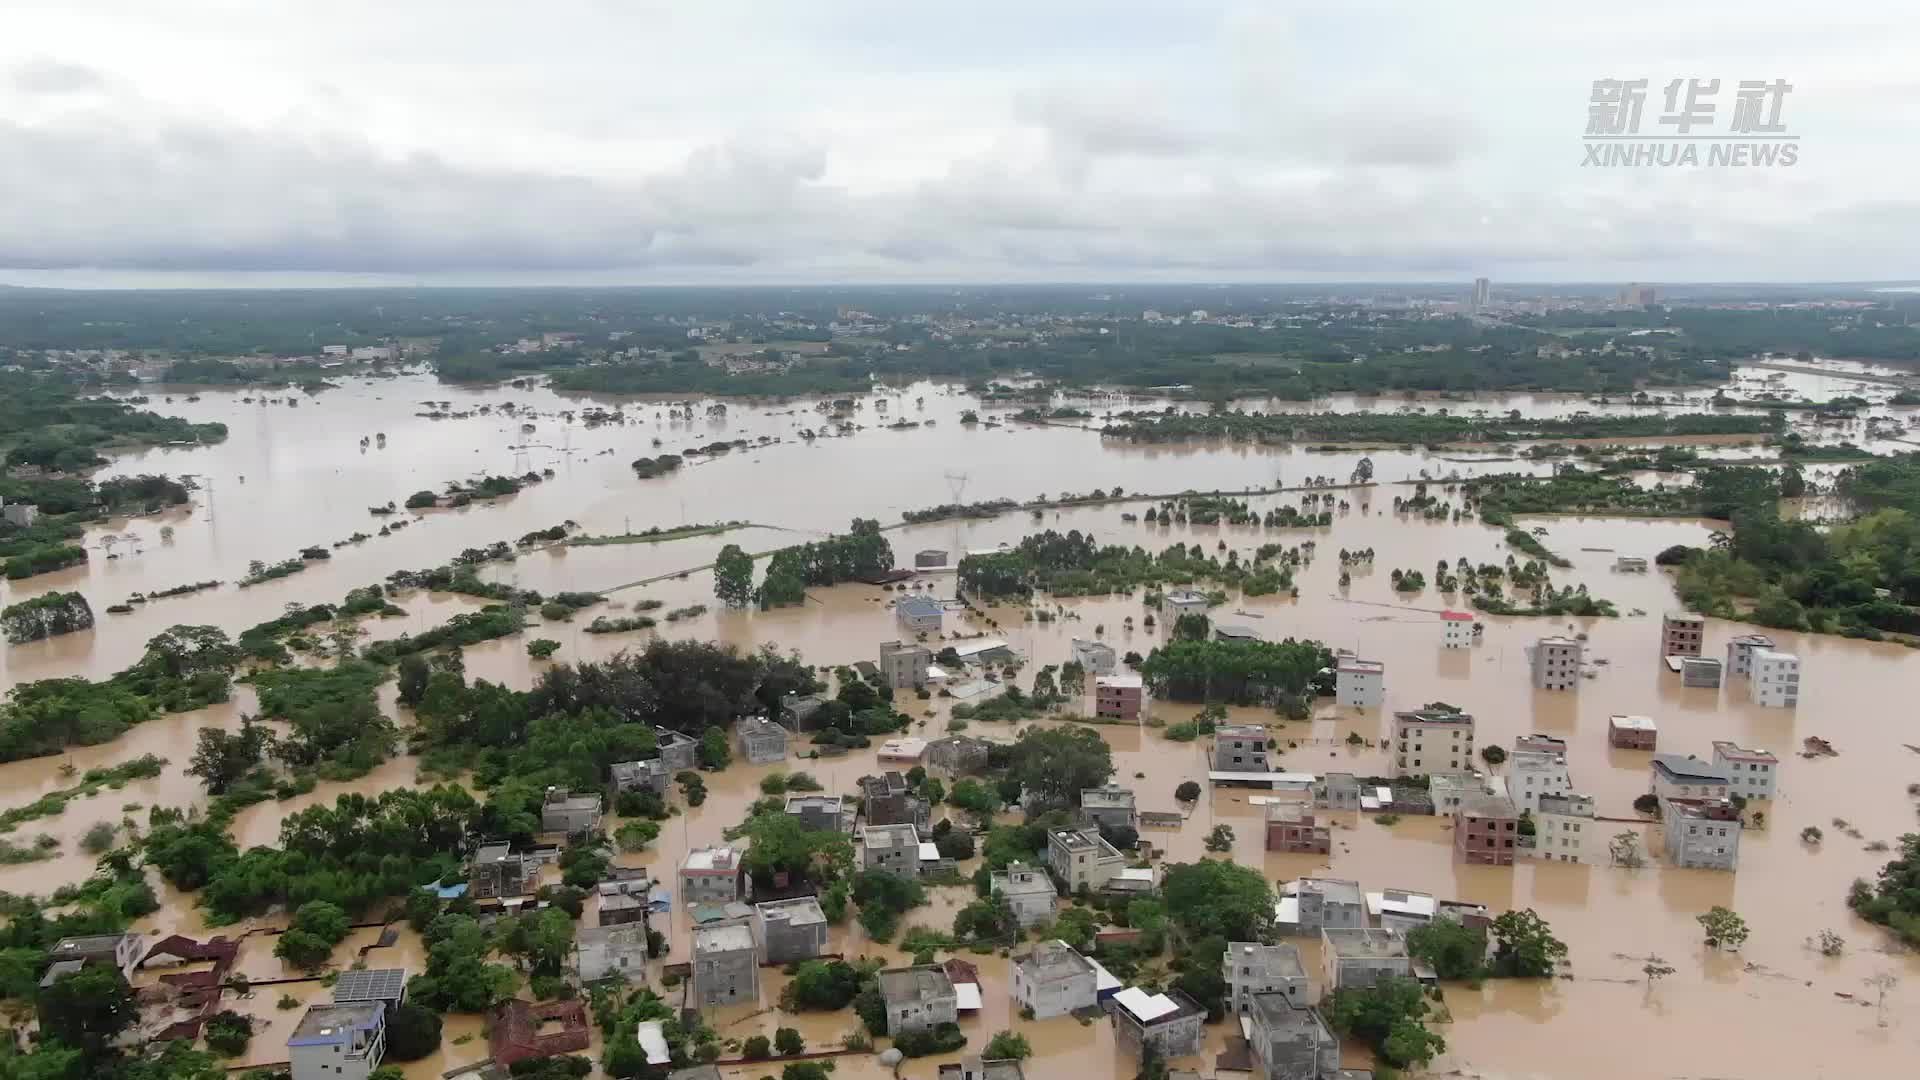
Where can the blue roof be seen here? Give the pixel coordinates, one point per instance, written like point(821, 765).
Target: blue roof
point(919, 606)
point(451, 892)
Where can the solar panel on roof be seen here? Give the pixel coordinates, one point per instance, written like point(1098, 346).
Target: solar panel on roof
point(381, 984)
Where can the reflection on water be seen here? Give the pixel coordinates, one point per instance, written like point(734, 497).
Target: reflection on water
point(306, 482)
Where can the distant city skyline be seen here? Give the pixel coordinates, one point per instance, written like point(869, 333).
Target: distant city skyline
point(206, 144)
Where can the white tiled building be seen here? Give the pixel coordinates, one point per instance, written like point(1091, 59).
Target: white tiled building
point(1431, 741)
point(1776, 679)
point(1456, 630)
point(1564, 829)
point(1533, 773)
point(1360, 684)
point(1754, 772)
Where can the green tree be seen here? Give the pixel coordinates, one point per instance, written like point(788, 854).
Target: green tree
point(821, 985)
point(1054, 765)
point(309, 940)
point(733, 576)
point(1387, 1016)
point(412, 676)
point(1217, 898)
point(1220, 839)
point(542, 648)
point(413, 1032)
point(221, 758)
point(1524, 946)
point(756, 1048)
point(788, 1041)
point(1007, 1046)
point(88, 1009)
point(1188, 791)
point(228, 1033)
point(1453, 949)
point(1724, 927)
point(715, 752)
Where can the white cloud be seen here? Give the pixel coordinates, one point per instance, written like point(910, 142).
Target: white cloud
point(1077, 140)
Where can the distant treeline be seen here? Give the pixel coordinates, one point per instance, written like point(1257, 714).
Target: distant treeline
point(1423, 428)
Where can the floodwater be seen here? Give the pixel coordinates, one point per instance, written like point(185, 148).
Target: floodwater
point(1773, 1010)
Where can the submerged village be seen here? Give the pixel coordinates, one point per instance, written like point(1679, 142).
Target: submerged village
point(548, 709)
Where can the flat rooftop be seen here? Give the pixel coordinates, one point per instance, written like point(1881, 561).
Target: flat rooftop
point(713, 860)
point(324, 1025)
point(715, 939)
point(799, 911)
point(1681, 767)
point(1634, 723)
point(1053, 960)
point(1364, 941)
point(915, 983)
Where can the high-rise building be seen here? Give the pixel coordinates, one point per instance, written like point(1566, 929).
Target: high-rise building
point(1482, 292)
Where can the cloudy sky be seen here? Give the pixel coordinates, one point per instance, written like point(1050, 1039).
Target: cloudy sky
point(596, 141)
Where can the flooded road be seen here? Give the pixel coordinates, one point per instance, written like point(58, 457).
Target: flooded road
point(1747, 1015)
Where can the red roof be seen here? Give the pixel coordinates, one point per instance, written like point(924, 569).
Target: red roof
point(1456, 616)
point(514, 1026)
point(959, 971)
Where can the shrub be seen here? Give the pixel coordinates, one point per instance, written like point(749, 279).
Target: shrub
point(228, 1033)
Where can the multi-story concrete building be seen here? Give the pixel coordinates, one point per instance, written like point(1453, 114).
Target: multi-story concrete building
point(1447, 790)
point(918, 998)
point(711, 876)
point(975, 1067)
point(1118, 697)
point(1111, 806)
point(790, 930)
point(1169, 1022)
point(1240, 748)
point(893, 848)
point(1251, 969)
point(1401, 910)
point(761, 741)
point(1701, 833)
point(1337, 791)
point(564, 812)
point(726, 965)
point(651, 775)
point(1291, 828)
point(1310, 905)
point(1679, 776)
point(1700, 672)
point(1094, 657)
point(887, 799)
point(1538, 743)
point(339, 1041)
point(1563, 829)
point(499, 873)
point(1681, 633)
point(1633, 732)
point(959, 755)
point(1028, 892)
point(1053, 980)
point(1456, 630)
point(1753, 772)
point(1290, 1041)
point(679, 751)
point(1083, 859)
point(608, 952)
point(1533, 773)
point(929, 558)
point(1776, 679)
point(821, 813)
point(1740, 650)
point(1431, 741)
point(1360, 684)
point(1486, 829)
point(1183, 602)
point(919, 614)
point(1555, 663)
point(1361, 957)
point(117, 951)
point(903, 664)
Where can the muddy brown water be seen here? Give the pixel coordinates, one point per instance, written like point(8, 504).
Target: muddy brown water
point(1746, 1015)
